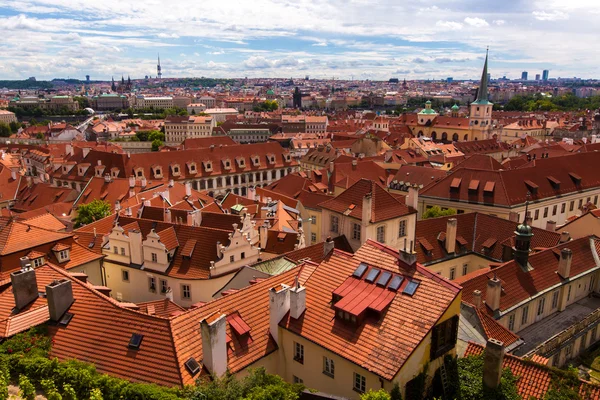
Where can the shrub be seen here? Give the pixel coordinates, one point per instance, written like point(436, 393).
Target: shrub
point(26, 388)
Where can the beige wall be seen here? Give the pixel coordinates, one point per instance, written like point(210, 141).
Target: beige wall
point(584, 226)
point(467, 263)
point(93, 270)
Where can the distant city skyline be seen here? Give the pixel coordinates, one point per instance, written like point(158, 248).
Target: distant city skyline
point(324, 39)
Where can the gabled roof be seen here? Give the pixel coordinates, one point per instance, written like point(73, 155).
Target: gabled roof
point(382, 345)
point(384, 206)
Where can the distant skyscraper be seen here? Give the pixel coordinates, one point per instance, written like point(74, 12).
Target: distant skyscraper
point(87, 78)
point(537, 77)
point(524, 75)
point(545, 74)
point(158, 69)
point(489, 77)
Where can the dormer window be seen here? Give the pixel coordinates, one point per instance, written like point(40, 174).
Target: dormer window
point(271, 158)
point(38, 262)
point(192, 167)
point(227, 163)
point(256, 161)
point(208, 166)
point(241, 162)
point(62, 252)
point(157, 170)
point(175, 169)
point(288, 158)
point(114, 172)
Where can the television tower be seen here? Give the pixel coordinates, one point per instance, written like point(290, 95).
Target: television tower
point(158, 70)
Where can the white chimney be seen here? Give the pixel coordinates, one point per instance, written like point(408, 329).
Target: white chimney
point(171, 183)
point(13, 174)
point(328, 246)
point(493, 292)
point(297, 300)
point(564, 263)
point(551, 226)
point(135, 247)
point(412, 199)
point(564, 237)
point(279, 305)
point(263, 235)
point(251, 193)
point(117, 206)
point(451, 226)
point(477, 298)
point(214, 343)
point(147, 203)
point(367, 208)
point(143, 182)
point(132, 181)
point(188, 189)
point(107, 178)
point(168, 216)
point(169, 294)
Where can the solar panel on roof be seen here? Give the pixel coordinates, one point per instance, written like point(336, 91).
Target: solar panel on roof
point(372, 275)
point(411, 287)
point(384, 278)
point(192, 366)
point(135, 341)
point(360, 270)
point(396, 282)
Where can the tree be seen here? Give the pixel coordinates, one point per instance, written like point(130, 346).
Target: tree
point(93, 211)
point(156, 135)
point(5, 129)
point(378, 395)
point(156, 144)
point(436, 211)
point(396, 393)
point(14, 126)
point(26, 388)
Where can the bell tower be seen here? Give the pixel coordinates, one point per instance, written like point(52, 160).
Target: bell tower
point(480, 115)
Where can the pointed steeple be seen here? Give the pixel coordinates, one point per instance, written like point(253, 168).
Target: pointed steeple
point(482, 93)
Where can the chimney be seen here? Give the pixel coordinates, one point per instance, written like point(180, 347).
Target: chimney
point(135, 247)
point(279, 305)
point(262, 234)
point(328, 246)
point(367, 208)
point(24, 287)
point(132, 181)
point(107, 178)
point(168, 216)
point(131, 192)
point(171, 183)
point(147, 203)
point(513, 216)
point(60, 297)
point(564, 263)
point(551, 225)
point(117, 206)
point(80, 276)
point(564, 237)
point(412, 199)
point(251, 193)
point(331, 166)
point(188, 189)
point(477, 298)
point(354, 164)
point(451, 225)
point(169, 294)
point(29, 182)
point(492, 363)
point(143, 182)
point(25, 263)
point(408, 255)
point(128, 212)
point(494, 289)
point(214, 343)
point(297, 300)
point(13, 174)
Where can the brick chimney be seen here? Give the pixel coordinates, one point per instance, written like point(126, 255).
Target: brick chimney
point(60, 297)
point(214, 343)
point(451, 226)
point(492, 363)
point(564, 263)
point(493, 292)
point(367, 205)
point(24, 287)
point(477, 298)
point(412, 199)
point(279, 305)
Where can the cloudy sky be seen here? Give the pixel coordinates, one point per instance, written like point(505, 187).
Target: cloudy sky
point(360, 39)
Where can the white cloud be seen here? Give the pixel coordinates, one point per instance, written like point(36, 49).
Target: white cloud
point(257, 62)
point(550, 16)
point(499, 22)
point(476, 22)
point(168, 35)
point(449, 25)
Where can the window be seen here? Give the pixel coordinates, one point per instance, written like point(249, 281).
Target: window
point(580, 203)
point(152, 284)
point(125, 275)
point(524, 316)
point(593, 335)
point(452, 273)
point(38, 262)
point(511, 322)
point(465, 269)
point(402, 229)
point(63, 255)
point(572, 205)
point(242, 255)
point(443, 337)
point(554, 209)
point(596, 200)
point(313, 237)
point(116, 250)
point(231, 259)
point(313, 219)
point(356, 231)
point(537, 215)
point(555, 299)
point(186, 292)
point(328, 367)
point(583, 342)
point(381, 234)
point(299, 352)
point(122, 251)
point(154, 257)
point(334, 224)
point(164, 286)
point(541, 305)
point(360, 383)
point(569, 293)
point(298, 380)
point(563, 207)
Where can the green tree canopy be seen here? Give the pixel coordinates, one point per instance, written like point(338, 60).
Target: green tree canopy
point(93, 211)
point(5, 130)
point(378, 395)
point(436, 211)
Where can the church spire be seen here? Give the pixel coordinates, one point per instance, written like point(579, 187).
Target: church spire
point(482, 93)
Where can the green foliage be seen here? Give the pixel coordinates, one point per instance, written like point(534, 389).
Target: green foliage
point(378, 395)
point(470, 376)
point(96, 394)
point(539, 102)
point(268, 105)
point(436, 211)
point(26, 84)
point(156, 135)
point(50, 390)
point(69, 392)
point(90, 212)
point(396, 393)
point(257, 385)
point(33, 341)
point(156, 144)
point(26, 388)
point(5, 130)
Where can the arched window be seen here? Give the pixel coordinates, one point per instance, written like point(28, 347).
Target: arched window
point(455, 137)
point(466, 138)
point(433, 135)
point(420, 134)
point(444, 136)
